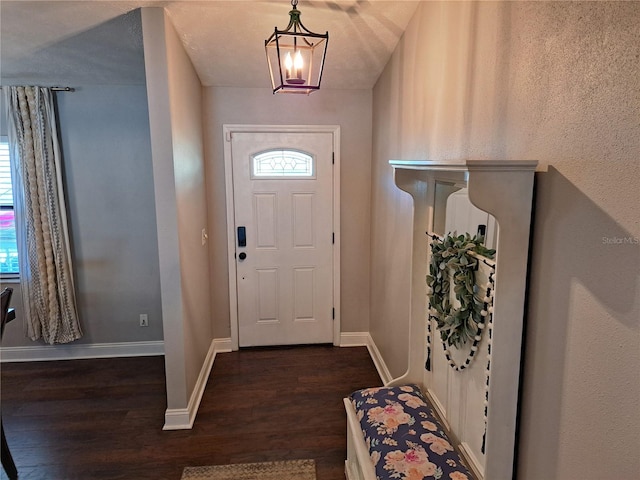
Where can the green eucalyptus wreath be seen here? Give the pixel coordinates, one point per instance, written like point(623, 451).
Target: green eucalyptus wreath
point(451, 258)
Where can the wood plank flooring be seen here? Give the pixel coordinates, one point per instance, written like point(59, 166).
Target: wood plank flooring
point(102, 419)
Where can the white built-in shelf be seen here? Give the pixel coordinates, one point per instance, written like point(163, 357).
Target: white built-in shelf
point(504, 189)
point(496, 165)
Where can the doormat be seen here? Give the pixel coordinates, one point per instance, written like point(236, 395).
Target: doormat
point(285, 470)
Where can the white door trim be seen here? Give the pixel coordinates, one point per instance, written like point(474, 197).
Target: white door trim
point(228, 131)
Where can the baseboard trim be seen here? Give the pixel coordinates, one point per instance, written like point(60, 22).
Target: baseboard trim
point(179, 418)
point(364, 339)
point(354, 339)
point(378, 361)
point(223, 345)
point(183, 418)
point(39, 353)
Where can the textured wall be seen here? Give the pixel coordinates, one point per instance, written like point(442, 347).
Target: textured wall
point(351, 109)
point(556, 82)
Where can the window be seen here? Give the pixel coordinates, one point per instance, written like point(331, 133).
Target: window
point(283, 163)
point(8, 244)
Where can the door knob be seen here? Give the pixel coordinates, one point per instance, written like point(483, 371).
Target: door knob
point(242, 256)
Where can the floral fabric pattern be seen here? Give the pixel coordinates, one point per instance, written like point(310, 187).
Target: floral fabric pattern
point(404, 437)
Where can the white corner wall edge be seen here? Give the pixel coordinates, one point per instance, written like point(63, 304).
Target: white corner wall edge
point(183, 418)
point(364, 339)
point(38, 353)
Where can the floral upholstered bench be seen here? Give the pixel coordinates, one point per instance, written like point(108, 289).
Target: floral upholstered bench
point(403, 436)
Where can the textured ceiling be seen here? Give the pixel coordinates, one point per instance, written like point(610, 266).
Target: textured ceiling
point(95, 42)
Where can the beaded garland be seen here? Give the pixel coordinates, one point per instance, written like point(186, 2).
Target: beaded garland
point(488, 370)
point(486, 315)
point(486, 324)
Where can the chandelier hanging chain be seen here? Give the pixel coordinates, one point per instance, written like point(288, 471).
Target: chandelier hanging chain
point(296, 24)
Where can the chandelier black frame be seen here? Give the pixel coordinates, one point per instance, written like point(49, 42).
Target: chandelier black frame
point(296, 56)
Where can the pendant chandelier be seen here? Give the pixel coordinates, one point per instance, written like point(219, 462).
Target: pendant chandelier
point(296, 56)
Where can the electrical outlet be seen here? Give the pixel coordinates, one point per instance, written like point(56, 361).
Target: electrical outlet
point(144, 320)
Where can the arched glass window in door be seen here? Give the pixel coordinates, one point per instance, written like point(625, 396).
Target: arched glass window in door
point(282, 163)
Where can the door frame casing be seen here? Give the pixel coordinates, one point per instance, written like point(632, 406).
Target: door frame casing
point(228, 131)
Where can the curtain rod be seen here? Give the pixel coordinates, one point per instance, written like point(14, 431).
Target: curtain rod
point(57, 89)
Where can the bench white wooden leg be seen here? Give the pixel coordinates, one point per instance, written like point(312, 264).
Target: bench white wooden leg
point(358, 465)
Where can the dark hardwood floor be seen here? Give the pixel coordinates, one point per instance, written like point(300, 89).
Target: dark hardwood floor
point(102, 418)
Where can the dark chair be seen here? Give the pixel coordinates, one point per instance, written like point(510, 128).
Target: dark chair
point(7, 460)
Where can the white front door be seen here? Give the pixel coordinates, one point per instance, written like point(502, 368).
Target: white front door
point(283, 226)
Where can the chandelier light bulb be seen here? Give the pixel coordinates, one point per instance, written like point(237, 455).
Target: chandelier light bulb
point(294, 68)
point(298, 62)
point(288, 64)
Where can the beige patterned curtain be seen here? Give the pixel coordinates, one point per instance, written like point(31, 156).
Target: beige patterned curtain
point(46, 273)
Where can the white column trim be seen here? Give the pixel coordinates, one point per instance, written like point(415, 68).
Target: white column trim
point(183, 418)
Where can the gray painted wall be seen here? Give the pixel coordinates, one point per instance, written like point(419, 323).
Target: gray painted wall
point(555, 82)
point(104, 133)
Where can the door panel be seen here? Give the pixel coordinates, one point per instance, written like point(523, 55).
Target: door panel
point(285, 282)
point(303, 287)
point(267, 279)
point(265, 216)
point(303, 220)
